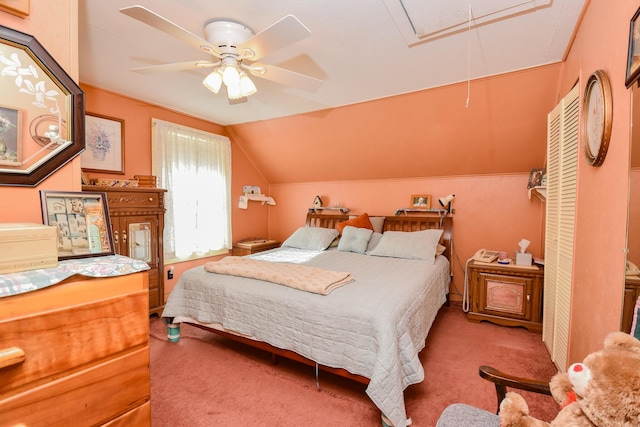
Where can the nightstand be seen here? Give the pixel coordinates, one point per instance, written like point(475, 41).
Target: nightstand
point(253, 246)
point(507, 295)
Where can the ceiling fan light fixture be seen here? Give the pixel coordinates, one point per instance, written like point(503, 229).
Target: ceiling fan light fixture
point(234, 91)
point(247, 87)
point(230, 75)
point(213, 81)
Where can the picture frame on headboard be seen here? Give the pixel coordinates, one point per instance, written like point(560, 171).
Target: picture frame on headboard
point(633, 55)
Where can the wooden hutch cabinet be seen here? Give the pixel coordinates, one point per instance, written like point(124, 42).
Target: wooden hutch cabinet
point(506, 295)
point(137, 223)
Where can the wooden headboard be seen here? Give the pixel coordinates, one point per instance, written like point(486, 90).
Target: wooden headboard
point(411, 222)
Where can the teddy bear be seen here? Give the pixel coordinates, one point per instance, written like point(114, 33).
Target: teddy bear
point(603, 390)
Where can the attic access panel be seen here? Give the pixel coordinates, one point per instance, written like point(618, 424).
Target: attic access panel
point(420, 22)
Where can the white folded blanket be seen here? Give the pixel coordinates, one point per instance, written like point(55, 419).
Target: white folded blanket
point(305, 278)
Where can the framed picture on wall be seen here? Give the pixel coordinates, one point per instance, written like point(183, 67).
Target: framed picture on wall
point(420, 201)
point(82, 219)
point(633, 55)
point(104, 144)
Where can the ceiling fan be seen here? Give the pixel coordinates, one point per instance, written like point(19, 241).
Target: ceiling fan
point(234, 49)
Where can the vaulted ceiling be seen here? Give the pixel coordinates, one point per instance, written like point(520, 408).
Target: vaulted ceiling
point(440, 87)
point(361, 49)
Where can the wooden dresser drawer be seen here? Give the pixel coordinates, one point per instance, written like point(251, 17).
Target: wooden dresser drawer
point(61, 340)
point(94, 396)
point(134, 199)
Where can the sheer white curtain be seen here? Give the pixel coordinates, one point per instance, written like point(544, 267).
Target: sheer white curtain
point(195, 167)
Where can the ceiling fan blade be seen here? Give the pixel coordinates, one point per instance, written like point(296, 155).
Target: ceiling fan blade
point(284, 32)
point(148, 17)
point(287, 77)
point(178, 66)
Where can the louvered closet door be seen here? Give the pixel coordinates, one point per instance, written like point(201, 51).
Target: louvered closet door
point(562, 165)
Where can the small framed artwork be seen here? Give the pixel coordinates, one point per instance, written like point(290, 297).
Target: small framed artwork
point(10, 127)
point(535, 178)
point(421, 201)
point(633, 55)
point(104, 144)
point(82, 219)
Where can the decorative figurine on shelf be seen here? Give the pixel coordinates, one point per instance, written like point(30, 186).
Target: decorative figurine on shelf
point(317, 202)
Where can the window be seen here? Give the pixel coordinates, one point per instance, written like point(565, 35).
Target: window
point(195, 168)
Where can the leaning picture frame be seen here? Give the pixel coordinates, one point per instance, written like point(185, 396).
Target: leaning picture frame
point(104, 144)
point(633, 54)
point(82, 220)
point(420, 201)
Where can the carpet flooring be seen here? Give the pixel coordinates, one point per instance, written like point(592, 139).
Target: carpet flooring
point(207, 380)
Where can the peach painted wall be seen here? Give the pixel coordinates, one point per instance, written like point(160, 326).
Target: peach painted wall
point(137, 117)
point(634, 215)
point(601, 207)
point(490, 211)
point(22, 204)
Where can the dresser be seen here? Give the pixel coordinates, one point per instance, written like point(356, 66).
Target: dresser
point(137, 222)
point(507, 295)
point(76, 354)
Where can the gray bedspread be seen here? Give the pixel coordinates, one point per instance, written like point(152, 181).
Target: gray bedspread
point(374, 326)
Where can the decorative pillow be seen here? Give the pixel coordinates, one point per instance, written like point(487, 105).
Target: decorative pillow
point(361, 221)
point(354, 239)
point(373, 241)
point(377, 222)
point(411, 245)
point(315, 238)
point(440, 249)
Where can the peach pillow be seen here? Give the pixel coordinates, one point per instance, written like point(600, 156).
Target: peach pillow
point(361, 221)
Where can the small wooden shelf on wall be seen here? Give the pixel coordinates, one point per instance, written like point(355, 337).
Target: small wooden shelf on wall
point(406, 211)
point(332, 208)
point(540, 192)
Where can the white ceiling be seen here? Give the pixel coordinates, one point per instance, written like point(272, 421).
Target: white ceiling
point(362, 49)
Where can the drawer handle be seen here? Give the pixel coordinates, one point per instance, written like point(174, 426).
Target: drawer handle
point(151, 199)
point(115, 237)
point(11, 356)
point(124, 236)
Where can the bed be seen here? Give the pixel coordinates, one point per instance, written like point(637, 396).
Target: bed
point(370, 329)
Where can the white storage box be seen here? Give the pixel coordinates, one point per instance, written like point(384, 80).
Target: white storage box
point(25, 246)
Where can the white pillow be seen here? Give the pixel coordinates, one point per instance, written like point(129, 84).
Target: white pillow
point(315, 238)
point(411, 245)
point(373, 241)
point(354, 239)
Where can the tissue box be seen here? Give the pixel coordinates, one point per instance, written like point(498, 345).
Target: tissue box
point(25, 246)
point(523, 258)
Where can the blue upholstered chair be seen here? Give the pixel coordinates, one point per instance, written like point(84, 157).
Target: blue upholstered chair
point(462, 415)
